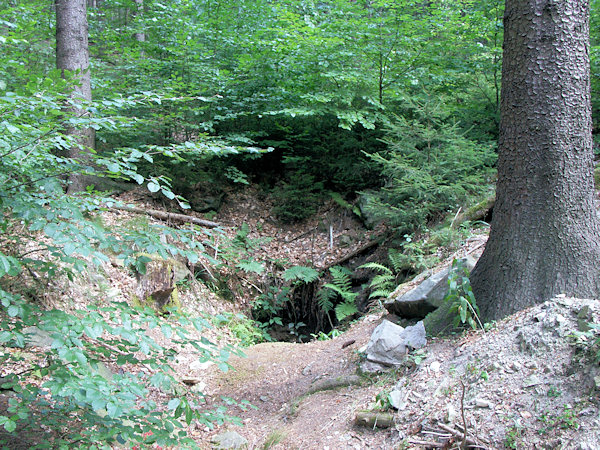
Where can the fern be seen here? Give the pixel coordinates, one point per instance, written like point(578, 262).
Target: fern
point(376, 266)
point(251, 266)
point(341, 285)
point(344, 310)
point(341, 279)
point(302, 273)
point(382, 284)
point(324, 299)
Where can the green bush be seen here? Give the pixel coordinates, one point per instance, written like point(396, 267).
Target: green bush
point(429, 169)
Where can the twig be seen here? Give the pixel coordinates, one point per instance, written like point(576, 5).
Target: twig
point(462, 413)
point(426, 443)
point(475, 248)
point(457, 213)
point(301, 235)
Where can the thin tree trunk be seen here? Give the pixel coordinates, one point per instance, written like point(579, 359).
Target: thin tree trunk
point(72, 56)
point(139, 36)
point(544, 237)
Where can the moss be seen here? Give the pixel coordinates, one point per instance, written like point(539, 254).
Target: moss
point(597, 177)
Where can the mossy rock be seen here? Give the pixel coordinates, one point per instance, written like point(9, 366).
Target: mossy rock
point(440, 321)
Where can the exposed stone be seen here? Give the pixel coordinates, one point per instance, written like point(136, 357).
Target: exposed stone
point(229, 439)
point(482, 403)
point(397, 399)
point(34, 337)
point(390, 343)
point(427, 296)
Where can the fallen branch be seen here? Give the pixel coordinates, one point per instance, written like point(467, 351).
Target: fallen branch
point(351, 255)
point(428, 444)
point(162, 215)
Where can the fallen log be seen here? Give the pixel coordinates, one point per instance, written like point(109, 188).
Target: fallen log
point(162, 215)
point(372, 419)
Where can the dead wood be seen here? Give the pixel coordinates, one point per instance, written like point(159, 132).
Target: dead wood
point(349, 256)
point(163, 215)
point(373, 419)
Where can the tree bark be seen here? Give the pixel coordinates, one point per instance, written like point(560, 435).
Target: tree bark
point(139, 36)
point(544, 237)
point(72, 56)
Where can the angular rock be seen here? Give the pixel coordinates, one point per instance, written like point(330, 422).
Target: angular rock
point(427, 296)
point(390, 343)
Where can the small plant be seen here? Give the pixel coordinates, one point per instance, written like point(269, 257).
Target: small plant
point(342, 285)
point(566, 420)
point(268, 306)
point(589, 340)
point(294, 329)
point(554, 392)
point(513, 437)
point(246, 330)
point(321, 336)
point(383, 400)
point(461, 297)
point(383, 283)
point(274, 438)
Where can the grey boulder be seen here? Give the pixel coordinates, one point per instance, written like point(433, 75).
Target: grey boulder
point(390, 343)
point(427, 296)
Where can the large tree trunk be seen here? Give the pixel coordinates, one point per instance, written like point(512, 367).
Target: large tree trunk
point(72, 55)
point(544, 237)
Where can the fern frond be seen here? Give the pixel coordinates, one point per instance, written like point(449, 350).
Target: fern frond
point(344, 310)
point(381, 280)
point(324, 299)
point(376, 266)
point(379, 293)
point(251, 266)
point(341, 278)
point(302, 273)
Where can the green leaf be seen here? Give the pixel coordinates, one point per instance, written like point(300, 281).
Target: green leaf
point(174, 403)
point(10, 425)
point(251, 267)
point(167, 193)
point(153, 186)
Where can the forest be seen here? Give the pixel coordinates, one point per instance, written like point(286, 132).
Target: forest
point(382, 116)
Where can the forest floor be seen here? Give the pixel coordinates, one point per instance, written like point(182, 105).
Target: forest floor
point(525, 383)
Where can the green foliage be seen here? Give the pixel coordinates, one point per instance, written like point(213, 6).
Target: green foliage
point(268, 307)
point(589, 340)
point(246, 330)
point(341, 285)
point(461, 297)
point(383, 283)
point(414, 256)
point(91, 373)
point(513, 437)
point(297, 198)
point(301, 273)
point(430, 167)
point(567, 419)
point(327, 336)
point(251, 266)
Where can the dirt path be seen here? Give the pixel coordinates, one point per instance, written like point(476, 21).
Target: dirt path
point(527, 385)
point(291, 386)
